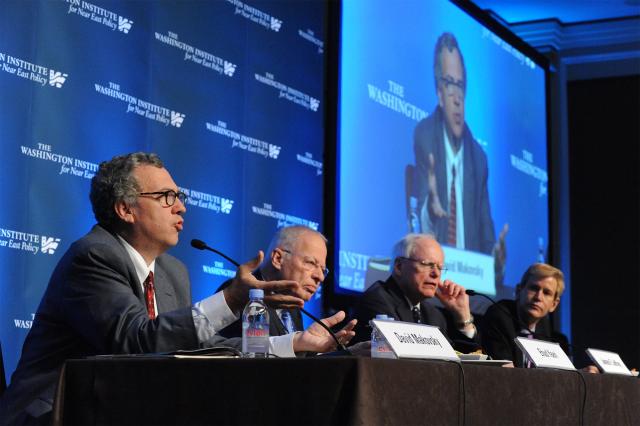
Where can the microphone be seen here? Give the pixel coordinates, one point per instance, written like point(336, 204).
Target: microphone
point(201, 245)
point(475, 293)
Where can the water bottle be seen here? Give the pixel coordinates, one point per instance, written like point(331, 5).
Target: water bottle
point(255, 326)
point(379, 346)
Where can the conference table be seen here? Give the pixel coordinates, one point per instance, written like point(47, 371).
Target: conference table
point(155, 390)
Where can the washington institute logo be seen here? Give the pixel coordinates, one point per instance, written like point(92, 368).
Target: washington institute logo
point(177, 119)
point(274, 151)
point(49, 245)
point(32, 243)
point(275, 24)
point(124, 24)
point(245, 142)
point(198, 56)
point(99, 15)
point(256, 15)
point(30, 71)
point(283, 219)
point(57, 78)
point(208, 201)
point(141, 107)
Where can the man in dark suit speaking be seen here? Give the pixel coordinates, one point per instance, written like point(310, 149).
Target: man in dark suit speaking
point(116, 291)
point(451, 167)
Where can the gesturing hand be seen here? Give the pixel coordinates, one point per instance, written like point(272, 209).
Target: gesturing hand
point(435, 207)
point(317, 339)
point(277, 294)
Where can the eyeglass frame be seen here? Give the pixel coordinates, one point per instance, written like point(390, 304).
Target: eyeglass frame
point(424, 264)
point(448, 82)
point(178, 195)
point(308, 260)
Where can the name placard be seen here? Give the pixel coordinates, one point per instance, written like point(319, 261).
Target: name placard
point(608, 362)
point(410, 340)
point(544, 354)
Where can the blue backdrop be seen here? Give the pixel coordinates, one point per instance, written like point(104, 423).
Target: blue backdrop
point(228, 93)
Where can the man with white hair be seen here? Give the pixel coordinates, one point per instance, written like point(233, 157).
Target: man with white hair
point(296, 253)
point(416, 277)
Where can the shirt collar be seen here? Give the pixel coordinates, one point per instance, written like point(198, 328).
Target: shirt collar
point(141, 267)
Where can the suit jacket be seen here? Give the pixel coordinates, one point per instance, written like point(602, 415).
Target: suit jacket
point(386, 297)
point(479, 233)
point(94, 305)
point(276, 327)
point(500, 325)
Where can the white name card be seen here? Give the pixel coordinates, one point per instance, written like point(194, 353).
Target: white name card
point(544, 354)
point(410, 340)
point(608, 362)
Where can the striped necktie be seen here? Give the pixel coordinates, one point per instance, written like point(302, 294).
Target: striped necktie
point(150, 295)
point(452, 238)
point(417, 316)
point(287, 321)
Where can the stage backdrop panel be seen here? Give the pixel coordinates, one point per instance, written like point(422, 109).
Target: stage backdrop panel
point(228, 93)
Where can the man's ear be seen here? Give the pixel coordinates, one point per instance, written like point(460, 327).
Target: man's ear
point(556, 302)
point(441, 96)
point(123, 211)
point(397, 266)
point(276, 258)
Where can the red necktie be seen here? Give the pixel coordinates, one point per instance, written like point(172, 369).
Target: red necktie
point(452, 209)
point(149, 295)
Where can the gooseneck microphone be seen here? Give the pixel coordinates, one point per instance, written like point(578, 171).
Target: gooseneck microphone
point(201, 245)
point(469, 292)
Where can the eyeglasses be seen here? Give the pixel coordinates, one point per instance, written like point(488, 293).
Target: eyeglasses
point(309, 263)
point(170, 196)
point(453, 87)
point(424, 265)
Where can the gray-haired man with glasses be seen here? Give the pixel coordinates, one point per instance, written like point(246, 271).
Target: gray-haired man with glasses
point(296, 253)
point(417, 276)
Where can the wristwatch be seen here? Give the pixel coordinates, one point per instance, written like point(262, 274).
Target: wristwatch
point(463, 324)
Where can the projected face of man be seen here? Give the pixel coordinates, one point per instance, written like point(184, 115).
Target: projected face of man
point(451, 92)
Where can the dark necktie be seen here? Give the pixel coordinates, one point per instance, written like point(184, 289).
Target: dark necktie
point(149, 295)
point(287, 321)
point(452, 240)
point(527, 361)
point(417, 317)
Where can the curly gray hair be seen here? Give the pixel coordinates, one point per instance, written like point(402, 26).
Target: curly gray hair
point(115, 182)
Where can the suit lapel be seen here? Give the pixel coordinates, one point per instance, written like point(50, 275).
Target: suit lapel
point(165, 296)
point(276, 327)
point(399, 301)
point(131, 270)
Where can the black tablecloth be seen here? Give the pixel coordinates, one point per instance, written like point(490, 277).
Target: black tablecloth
point(336, 390)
